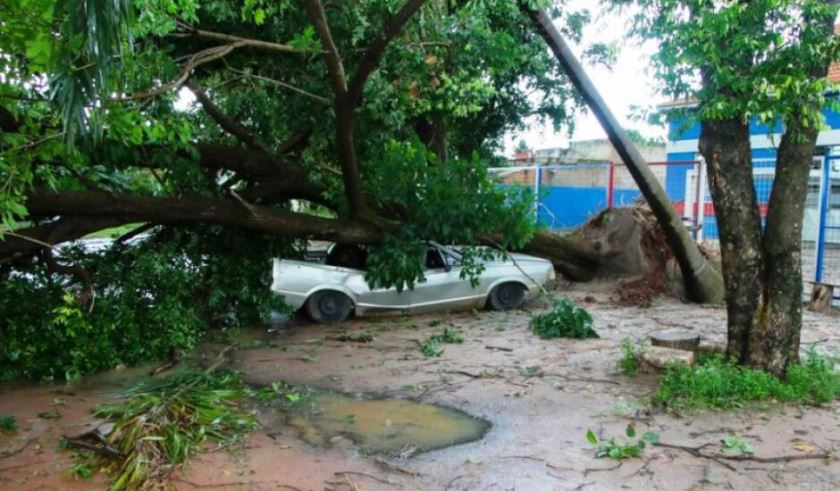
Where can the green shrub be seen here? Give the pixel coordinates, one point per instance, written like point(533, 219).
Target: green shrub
point(628, 364)
point(8, 423)
point(564, 320)
point(715, 383)
point(154, 297)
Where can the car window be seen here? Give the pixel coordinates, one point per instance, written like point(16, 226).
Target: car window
point(347, 256)
point(434, 259)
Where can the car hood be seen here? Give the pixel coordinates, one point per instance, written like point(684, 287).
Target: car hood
point(525, 258)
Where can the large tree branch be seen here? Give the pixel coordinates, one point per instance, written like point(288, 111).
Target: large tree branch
point(224, 121)
point(376, 48)
point(333, 59)
point(32, 239)
point(190, 210)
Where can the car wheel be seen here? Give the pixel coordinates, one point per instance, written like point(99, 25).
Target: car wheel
point(326, 307)
point(507, 296)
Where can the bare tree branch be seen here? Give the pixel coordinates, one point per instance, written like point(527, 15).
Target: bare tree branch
point(376, 48)
point(196, 60)
point(228, 124)
point(186, 30)
point(333, 59)
point(322, 100)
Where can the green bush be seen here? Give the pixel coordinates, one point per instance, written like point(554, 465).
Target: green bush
point(160, 295)
point(564, 320)
point(715, 383)
point(8, 423)
point(628, 364)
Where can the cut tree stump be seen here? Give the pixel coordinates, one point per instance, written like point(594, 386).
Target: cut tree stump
point(656, 358)
point(822, 295)
point(680, 340)
point(710, 348)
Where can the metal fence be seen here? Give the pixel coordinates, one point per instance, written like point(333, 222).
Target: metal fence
point(567, 195)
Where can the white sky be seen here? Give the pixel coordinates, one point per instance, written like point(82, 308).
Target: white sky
point(624, 85)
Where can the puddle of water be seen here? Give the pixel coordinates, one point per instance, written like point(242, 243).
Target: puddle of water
point(384, 425)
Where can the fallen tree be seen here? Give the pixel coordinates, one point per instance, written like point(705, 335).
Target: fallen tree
point(237, 175)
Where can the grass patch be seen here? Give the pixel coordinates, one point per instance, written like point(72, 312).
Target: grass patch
point(158, 425)
point(564, 320)
point(8, 423)
point(715, 383)
point(430, 348)
point(448, 336)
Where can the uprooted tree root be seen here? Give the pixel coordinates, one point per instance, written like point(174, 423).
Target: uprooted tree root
point(630, 243)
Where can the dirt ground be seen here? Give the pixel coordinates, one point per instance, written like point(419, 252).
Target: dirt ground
point(541, 397)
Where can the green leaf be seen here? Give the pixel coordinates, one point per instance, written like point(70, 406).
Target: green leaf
point(630, 431)
point(651, 436)
point(590, 436)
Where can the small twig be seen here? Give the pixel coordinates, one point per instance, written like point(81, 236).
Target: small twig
point(322, 100)
point(29, 239)
point(10, 453)
point(453, 480)
point(516, 264)
point(394, 467)
point(590, 470)
point(370, 476)
point(32, 144)
point(499, 348)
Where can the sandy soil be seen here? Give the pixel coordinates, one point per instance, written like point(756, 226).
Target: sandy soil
point(540, 396)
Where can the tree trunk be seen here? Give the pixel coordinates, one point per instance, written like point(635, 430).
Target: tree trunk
point(702, 282)
point(89, 211)
point(774, 342)
point(726, 147)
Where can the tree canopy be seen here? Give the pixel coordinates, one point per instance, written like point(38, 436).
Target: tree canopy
point(232, 132)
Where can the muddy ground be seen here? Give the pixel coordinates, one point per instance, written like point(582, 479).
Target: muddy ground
point(541, 397)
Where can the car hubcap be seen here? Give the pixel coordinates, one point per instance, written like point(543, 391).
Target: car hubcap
point(329, 305)
point(508, 296)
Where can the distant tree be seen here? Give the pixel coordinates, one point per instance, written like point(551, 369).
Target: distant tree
point(522, 147)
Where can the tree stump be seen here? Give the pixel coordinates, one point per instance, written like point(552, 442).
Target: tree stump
point(656, 358)
point(821, 297)
point(679, 340)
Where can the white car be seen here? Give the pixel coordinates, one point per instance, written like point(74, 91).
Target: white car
point(331, 291)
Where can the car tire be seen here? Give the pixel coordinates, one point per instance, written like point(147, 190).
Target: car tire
point(327, 307)
point(507, 296)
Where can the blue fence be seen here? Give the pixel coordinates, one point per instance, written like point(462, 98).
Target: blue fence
point(570, 194)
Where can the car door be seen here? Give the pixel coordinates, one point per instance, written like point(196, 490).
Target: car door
point(377, 299)
point(442, 287)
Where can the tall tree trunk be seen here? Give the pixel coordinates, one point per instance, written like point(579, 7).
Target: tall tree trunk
point(703, 283)
point(774, 342)
point(725, 144)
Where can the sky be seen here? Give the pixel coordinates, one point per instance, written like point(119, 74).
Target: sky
point(624, 85)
